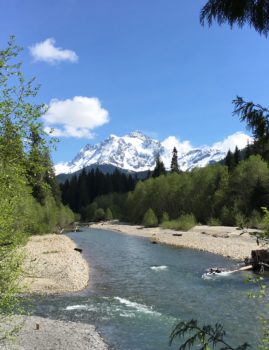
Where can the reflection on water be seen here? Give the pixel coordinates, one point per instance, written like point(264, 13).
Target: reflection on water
point(138, 291)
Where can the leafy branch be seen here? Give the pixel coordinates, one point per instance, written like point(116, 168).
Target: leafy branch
point(255, 13)
point(202, 336)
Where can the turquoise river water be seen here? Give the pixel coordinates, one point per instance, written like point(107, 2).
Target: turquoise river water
point(138, 291)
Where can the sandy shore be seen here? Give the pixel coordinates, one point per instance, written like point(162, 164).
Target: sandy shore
point(53, 266)
point(54, 335)
point(223, 240)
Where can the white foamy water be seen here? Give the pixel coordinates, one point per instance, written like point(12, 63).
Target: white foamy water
point(138, 307)
point(76, 307)
point(210, 275)
point(81, 307)
point(159, 268)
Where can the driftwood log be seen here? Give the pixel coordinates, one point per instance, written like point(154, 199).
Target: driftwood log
point(78, 250)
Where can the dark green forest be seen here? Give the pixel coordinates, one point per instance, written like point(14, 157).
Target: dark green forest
point(82, 190)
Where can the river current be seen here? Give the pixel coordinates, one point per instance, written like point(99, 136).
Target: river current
point(138, 291)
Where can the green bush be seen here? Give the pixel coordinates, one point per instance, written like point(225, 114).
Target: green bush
point(99, 214)
point(255, 220)
point(150, 219)
point(240, 220)
point(213, 222)
point(264, 225)
point(45, 218)
point(183, 223)
point(227, 217)
point(165, 217)
point(88, 212)
point(108, 214)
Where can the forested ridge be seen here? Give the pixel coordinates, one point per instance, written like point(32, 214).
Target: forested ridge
point(30, 200)
point(231, 193)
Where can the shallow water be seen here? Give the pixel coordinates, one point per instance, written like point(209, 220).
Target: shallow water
point(138, 291)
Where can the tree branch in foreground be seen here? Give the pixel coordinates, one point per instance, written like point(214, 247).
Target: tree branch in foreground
point(202, 336)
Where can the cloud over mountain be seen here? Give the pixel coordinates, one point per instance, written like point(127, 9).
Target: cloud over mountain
point(238, 139)
point(76, 117)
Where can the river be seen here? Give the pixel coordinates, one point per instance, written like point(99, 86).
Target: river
point(138, 291)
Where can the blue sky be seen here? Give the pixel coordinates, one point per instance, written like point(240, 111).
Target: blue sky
point(150, 65)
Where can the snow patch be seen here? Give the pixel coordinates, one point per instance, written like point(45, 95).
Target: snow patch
point(138, 152)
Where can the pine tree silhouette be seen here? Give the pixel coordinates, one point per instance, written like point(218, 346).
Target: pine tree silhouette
point(159, 167)
point(174, 162)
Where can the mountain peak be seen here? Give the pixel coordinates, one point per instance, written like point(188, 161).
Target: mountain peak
point(137, 152)
point(137, 134)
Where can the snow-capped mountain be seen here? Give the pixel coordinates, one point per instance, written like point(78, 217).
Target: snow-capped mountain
point(137, 152)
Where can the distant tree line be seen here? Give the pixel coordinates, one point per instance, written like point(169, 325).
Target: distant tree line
point(211, 195)
point(81, 190)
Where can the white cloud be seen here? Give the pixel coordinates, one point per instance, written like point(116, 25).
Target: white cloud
point(75, 117)
point(238, 139)
point(182, 147)
point(47, 52)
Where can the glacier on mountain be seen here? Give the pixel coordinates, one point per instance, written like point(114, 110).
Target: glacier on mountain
point(137, 152)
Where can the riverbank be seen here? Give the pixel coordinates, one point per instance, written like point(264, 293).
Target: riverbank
point(223, 240)
point(53, 266)
point(39, 333)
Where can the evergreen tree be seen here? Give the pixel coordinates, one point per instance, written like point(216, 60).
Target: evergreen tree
point(252, 12)
point(260, 195)
point(50, 179)
point(257, 119)
point(159, 168)
point(37, 166)
point(82, 191)
point(247, 151)
point(174, 161)
point(229, 161)
point(65, 187)
point(73, 194)
point(236, 156)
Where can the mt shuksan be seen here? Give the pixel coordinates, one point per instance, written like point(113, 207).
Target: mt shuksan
point(137, 152)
